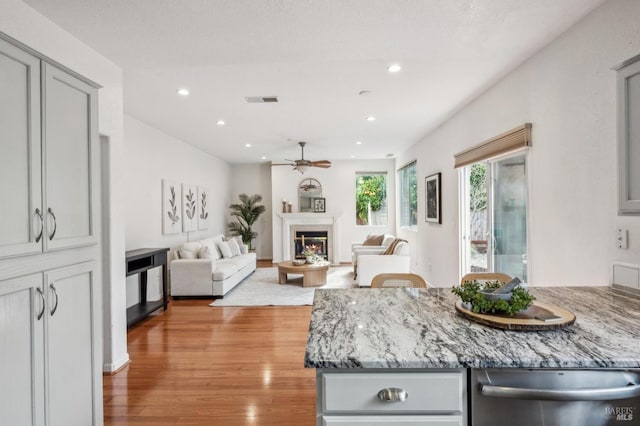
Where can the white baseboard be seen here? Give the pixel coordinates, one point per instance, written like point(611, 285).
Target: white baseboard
point(115, 366)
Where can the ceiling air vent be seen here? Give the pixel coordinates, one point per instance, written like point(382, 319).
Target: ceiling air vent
point(261, 99)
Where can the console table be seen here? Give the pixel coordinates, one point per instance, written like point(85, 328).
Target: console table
point(139, 261)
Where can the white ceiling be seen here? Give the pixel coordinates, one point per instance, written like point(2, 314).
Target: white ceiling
point(316, 56)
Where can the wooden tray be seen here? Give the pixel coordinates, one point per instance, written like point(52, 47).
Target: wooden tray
point(524, 320)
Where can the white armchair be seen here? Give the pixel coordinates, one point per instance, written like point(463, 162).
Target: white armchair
point(362, 246)
point(369, 263)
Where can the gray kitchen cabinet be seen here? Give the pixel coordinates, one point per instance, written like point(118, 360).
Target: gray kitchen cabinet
point(629, 136)
point(70, 149)
point(50, 297)
point(20, 170)
point(22, 307)
point(391, 396)
point(71, 358)
point(48, 166)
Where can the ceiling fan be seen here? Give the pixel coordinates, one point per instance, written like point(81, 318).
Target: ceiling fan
point(302, 165)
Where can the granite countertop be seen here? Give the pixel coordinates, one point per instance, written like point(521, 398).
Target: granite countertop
point(411, 328)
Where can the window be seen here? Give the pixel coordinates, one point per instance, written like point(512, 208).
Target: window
point(371, 199)
point(494, 216)
point(493, 204)
point(408, 194)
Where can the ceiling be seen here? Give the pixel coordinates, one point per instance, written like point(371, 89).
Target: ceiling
point(316, 56)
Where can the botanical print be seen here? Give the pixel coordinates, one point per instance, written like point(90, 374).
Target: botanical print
point(203, 209)
point(189, 200)
point(171, 215)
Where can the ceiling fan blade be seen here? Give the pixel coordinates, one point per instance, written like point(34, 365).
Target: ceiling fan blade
point(283, 164)
point(321, 164)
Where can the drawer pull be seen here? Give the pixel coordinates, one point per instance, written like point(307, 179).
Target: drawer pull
point(393, 395)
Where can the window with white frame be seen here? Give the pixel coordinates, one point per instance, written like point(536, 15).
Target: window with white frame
point(408, 195)
point(371, 199)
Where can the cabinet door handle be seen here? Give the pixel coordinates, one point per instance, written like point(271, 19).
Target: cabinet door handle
point(39, 214)
point(55, 293)
point(393, 395)
point(43, 303)
point(55, 224)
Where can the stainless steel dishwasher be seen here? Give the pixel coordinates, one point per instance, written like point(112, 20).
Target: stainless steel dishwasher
point(555, 397)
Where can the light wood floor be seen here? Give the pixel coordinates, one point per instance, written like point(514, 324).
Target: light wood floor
point(198, 365)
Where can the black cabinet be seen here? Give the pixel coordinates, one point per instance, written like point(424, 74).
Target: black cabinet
point(139, 261)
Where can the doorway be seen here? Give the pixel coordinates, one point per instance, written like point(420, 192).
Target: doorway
point(493, 202)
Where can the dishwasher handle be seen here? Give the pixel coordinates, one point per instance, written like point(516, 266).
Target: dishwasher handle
point(588, 394)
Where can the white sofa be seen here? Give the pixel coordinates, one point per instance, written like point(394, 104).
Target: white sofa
point(371, 262)
point(210, 267)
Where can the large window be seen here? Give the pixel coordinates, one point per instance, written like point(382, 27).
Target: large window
point(408, 195)
point(371, 199)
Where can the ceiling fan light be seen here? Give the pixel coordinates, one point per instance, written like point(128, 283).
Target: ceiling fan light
point(302, 168)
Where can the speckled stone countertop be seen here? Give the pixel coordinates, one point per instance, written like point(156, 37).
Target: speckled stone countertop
point(411, 328)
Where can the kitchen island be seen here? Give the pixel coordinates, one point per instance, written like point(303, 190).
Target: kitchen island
point(357, 337)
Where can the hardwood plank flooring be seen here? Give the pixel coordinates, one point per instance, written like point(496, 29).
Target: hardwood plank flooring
point(197, 365)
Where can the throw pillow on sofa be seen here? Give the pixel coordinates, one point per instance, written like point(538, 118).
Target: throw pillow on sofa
point(373, 240)
point(225, 250)
point(207, 252)
point(233, 245)
point(189, 250)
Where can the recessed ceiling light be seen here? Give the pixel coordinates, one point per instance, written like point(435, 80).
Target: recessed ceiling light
point(183, 92)
point(263, 158)
point(358, 142)
point(353, 156)
point(220, 123)
point(371, 118)
point(394, 68)
point(247, 145)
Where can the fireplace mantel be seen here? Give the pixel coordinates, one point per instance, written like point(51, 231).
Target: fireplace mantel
point(332, 222)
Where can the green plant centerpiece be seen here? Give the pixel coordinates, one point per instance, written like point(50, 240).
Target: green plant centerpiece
point(246, 212)
point(471, 293)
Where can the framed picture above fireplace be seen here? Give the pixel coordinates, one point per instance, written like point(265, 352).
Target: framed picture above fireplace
point(319, 205)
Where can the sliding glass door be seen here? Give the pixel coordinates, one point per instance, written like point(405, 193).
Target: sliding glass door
point(494, 217)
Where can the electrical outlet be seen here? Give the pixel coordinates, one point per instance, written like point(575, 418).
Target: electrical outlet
point(622, 240)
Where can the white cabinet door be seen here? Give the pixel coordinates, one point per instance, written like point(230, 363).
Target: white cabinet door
point(74, 377)
point(22, 351)
point(70, 149)
point(20, 183)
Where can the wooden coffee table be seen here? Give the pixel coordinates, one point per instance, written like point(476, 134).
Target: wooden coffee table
point(313, 274)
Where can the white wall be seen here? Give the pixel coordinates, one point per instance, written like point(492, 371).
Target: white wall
point(151, 156)
point(567, 91)
point(255, 179)
point(339, 189)
point(32, 29)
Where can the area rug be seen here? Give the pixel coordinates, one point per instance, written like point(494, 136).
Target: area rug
point(262, 289)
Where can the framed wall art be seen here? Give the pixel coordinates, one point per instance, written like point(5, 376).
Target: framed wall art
point(433, 209)
point(203, 208)
point(189, 208)
point(171, 207)
point(319, 205)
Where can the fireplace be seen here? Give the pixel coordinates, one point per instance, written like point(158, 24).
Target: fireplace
point(314, 241)
point(290, 223)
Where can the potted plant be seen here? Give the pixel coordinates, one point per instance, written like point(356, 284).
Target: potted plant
point(246, 212)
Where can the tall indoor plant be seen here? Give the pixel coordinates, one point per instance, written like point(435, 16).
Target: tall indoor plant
point(246, 212)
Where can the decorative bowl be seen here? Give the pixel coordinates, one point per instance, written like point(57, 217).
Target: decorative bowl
point(490, 295)
point(298, 262)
